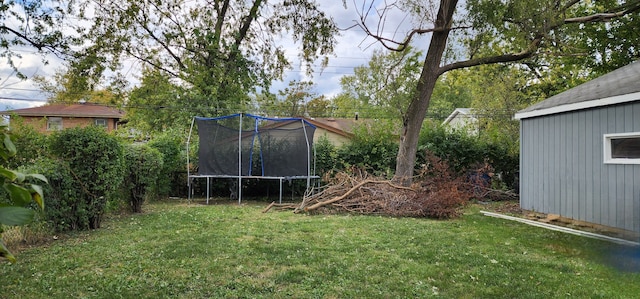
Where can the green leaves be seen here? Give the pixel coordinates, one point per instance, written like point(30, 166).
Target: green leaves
point(383, 88)
point(15, 215)
point(143, 165)
point(21, 193)
point(8, 144)
point(5, 253)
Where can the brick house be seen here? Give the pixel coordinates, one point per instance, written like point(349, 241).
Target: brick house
point(49, 118)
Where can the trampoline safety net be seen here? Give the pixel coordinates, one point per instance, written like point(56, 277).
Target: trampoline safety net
point(268, 147)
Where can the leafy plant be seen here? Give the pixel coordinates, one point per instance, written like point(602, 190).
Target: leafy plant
point(373, 147)
point(464, 153)
point(30, 143)
point(66, 210)
point(143, 164)
point(21, 194)
point(95, 159)
point(326, 156)
point(171, 146)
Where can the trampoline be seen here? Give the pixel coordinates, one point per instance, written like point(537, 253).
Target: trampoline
point(244, 146)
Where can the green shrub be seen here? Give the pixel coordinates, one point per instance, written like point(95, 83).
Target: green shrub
point(171, 146)
point(464, 153)
point(460, 150)
point(65, 210)
point(506, 163)
point(143, 165)
point(95, 160)
point(374, 147)
point(326, 156)
point(30, 144)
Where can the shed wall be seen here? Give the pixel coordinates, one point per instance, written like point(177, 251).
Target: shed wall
point(562, 169)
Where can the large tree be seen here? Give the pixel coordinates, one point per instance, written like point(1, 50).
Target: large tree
point(493, 31)
point(69, 87)
point(217, 51)
point(383, 87)
point(153, 105)
point(291, 101)
point(39, 25)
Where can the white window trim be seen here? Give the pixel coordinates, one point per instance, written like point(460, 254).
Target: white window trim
point(607, 148)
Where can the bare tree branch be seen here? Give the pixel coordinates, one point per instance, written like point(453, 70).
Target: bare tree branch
point(36, 44)
point(535, 43)
point(161, 42)
point(248, 20)
point(599, 17)
point(511, 57)
point(152, 63)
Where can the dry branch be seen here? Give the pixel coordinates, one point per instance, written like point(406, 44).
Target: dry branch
point(357, 187)
point(269, 207)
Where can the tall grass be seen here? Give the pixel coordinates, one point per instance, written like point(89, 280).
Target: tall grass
point(230, 251)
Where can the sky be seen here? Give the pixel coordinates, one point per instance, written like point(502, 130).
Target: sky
point(353, 49)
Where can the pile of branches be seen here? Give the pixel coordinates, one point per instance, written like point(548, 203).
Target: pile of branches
point(437, 192)
point(360, 193)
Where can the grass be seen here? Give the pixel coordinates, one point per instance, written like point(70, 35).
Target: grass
point(229, 251)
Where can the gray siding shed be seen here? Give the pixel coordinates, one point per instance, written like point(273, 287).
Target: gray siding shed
point(562, 168)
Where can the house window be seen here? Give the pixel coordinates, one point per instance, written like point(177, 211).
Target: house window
point(54, 123)
point(622, 148)
point(101, 122)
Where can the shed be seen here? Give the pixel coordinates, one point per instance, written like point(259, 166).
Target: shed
point(580, 152)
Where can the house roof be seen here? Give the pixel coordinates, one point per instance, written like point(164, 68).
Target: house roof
point(465, 112)
point(616, 87)
point(69, 110)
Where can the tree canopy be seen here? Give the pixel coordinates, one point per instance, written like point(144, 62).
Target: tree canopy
point(216, 52)
point(383, 87)
point(33, 25)
point(479, 32)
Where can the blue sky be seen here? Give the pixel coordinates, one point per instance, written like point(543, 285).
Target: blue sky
point(353, 49)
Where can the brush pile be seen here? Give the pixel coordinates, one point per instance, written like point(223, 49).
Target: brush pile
point(437, 192)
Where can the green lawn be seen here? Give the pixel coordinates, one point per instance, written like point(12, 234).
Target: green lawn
point(231, 251)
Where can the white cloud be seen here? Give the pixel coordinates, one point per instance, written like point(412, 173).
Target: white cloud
point(16, 93)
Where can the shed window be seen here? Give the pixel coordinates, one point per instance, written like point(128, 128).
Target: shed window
point(623, 148)
point(54, 123)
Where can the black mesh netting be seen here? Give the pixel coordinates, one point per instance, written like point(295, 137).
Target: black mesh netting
point(269, 147)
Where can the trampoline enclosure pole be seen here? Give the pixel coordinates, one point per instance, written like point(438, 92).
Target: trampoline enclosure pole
point(188, 170)
point(306, 138)
point(240, 160)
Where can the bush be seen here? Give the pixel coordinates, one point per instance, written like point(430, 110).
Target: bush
point(30, 145)
point(465, 153)
point(460, 150)
point(171, 145)
point(17, 193)
point(326, 156)
point(65, 209)
point(95, 160)
point(373, 148)
point(143, 165)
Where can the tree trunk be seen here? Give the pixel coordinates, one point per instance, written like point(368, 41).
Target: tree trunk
point(413, 118)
